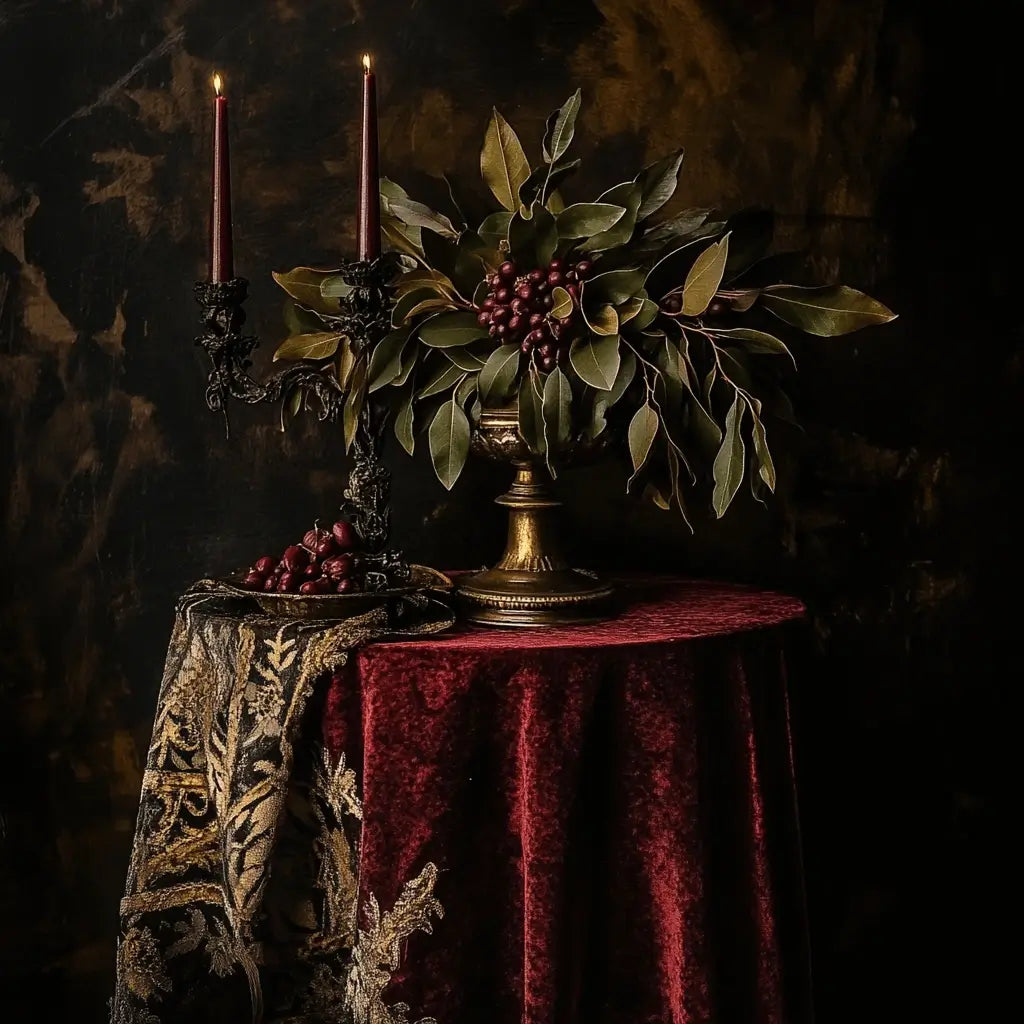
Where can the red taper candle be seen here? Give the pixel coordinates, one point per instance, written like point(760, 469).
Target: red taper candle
point(368, 225)
point(222, 264)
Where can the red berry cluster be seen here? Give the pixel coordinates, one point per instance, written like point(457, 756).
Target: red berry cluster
point(518, 308)
point(324, 563)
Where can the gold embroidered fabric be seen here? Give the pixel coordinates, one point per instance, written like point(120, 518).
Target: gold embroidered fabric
point(242, 899)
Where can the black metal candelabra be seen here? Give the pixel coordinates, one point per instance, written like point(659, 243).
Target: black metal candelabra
point(364, 316)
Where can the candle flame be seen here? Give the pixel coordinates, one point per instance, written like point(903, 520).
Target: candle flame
point(218, 84)
point(366, 62)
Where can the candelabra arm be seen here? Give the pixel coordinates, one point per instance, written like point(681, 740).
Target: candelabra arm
point(364, 316)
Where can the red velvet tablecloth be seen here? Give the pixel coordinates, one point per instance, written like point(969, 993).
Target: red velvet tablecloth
point(611, 808)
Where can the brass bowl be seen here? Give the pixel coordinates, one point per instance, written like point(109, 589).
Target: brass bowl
point(328, 607)
point(497, 437)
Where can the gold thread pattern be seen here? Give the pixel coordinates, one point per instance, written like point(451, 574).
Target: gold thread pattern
point(246, 853)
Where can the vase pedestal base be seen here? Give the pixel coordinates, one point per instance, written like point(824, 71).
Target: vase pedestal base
point(516, 597)
point(533, 584)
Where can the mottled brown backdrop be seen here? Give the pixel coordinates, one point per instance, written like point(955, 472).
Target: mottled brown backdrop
point(862, 123)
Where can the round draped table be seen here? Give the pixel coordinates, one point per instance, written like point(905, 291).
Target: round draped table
point(611, 810)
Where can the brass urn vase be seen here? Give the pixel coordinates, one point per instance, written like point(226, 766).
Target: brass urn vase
point(532, 584)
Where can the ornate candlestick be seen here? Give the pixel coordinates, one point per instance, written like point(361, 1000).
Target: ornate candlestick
point(364, 315)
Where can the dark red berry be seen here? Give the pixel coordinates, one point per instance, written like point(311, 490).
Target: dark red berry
point(548, 363)
point(525, 292)
point(516, 323)
point(526, 347)
point(345, 586)
point(311, 538)
point(673, 304)
point(503, 296)
point(499, 315)
point(536, 276)
point(556, 265)
point(312, 571)
point(537, 319)
point(555, 278)
point(583, 269)
point(484, 319)
point(339, 566)
point(253, 581)
point(536, 336)
point(545, 350)
point(488, 303)
point(270, 583)
point(289, 581)
point(718, 306)
point(295, 557)
point(574, 291)
point(264, 565)
point(493, 330)
point(344, 535)
point(309, 587)
point(326, 547)
point(518, 306)
point(507, 270)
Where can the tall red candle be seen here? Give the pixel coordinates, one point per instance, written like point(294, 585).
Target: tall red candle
point(368, 225)
point(222, 265)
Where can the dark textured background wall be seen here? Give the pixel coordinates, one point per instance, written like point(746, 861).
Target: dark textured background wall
point(861, 123)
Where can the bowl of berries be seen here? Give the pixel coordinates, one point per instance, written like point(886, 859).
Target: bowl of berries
point(327, 576)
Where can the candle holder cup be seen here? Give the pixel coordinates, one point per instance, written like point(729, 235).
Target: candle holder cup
point(364, 315)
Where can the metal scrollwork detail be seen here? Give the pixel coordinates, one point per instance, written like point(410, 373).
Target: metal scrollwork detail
point(364, 315)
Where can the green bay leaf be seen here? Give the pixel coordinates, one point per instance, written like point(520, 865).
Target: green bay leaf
point(303, 284)
point(615, 286)
point(494, 228)
point(766, 466)
point(828, 311)
point(530, 412)
point(657, 184)
point(561, 302)
point(498, 375)
point(354, 401)
point(448, 329)
point(405, 421)
point(448, 439)
point(602, 320)
point(756, 342)
point(386, 359)
point(442, 376)
point(596, 360)
point(628, 195)
point(503, 163)
point(557, 140)
point(704, 277)
point(643, 428)
point(321, 345)
point(730, 460)
point(583, 220)
point(556, 410)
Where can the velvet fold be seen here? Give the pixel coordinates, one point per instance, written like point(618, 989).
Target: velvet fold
point(611, 808)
